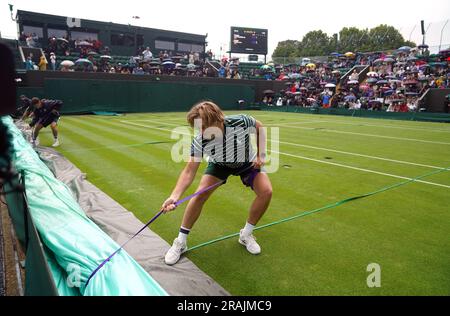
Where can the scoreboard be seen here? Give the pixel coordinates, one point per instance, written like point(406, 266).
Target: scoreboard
point(246, 40)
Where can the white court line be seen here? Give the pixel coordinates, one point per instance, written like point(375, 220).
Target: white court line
point(364, 123)
point(362, 169)
point(362, 155)
point(364, 134)
point(312, 159)
point(383, 126)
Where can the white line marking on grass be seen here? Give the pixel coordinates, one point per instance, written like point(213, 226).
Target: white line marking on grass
point(315, 160)
point(362, 155)
point(298, 122)
point(384, 126)
point(361, 169)
point(364, 134)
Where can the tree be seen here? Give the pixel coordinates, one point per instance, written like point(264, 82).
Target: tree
point(314, 43)
point(318, 43)
point(352, 39)
point(287, 48)
point(384, 37)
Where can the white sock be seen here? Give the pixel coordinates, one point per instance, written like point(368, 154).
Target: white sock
point(248, 229)
point(183, 234)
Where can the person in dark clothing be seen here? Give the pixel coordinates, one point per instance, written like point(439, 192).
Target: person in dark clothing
point(23, 108)
point(46, 112)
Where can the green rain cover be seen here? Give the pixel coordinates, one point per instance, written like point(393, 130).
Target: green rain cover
point(76, 243)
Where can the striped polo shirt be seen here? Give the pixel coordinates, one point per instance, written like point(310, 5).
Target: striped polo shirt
point(233, 149)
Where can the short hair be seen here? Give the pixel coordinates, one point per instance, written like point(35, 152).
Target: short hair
point(208, 112)
point(35, 101)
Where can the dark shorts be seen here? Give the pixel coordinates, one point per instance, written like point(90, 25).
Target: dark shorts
point(246, 172)
point(46, 121)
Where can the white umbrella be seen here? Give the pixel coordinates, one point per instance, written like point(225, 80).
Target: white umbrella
point(67, 63)
point(372, 74)
point(330, 85)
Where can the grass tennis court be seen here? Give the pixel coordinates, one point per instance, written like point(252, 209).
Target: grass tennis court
point(323, 159)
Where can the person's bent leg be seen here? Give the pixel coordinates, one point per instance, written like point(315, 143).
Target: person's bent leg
point(191, 214)
point(263, 191)
point(54, 127)
point(35, 134)
point(195, 205)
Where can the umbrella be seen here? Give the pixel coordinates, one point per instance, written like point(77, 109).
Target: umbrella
point(378, 61)
point(438, 64)
point(411, 58)
point(388, 60)
point(349, 98)
point(375, 101)
point(372, 80)
point(82, 61)
point(84, 43)
point(330, 85)
point(410, 82)
point(335, 54)
point(67, 63)
point(335, 72)
point(311, 100)
point(423, 46)
point(62, 40)
point(265, 67)
point(372, 74)
point(311, 65)
point(154, 63)
point(404, 49)
point(268, 92)
point(382, 82)
point(190, 66)
point(92, 53)
point(295, 76)
point(105, 57)
point(303, 89)
point(353, 82)
point(349, 54)
point(388, 92)
point(168, 64)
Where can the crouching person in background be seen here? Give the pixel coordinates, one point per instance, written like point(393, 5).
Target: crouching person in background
point(45, 113)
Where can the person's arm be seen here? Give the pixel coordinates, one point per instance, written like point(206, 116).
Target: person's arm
point(184, 181)
point(261, 145)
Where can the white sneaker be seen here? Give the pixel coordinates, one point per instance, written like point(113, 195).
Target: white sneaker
point(174, 253)
point(56, 143)
point(250, 243)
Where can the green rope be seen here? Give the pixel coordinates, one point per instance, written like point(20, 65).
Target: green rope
point(336, 204)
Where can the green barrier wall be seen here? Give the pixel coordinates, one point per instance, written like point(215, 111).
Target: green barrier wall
point(86, 96)
point(411, 116)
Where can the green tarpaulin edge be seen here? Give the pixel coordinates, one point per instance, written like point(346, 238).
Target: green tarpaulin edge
point(76, 244)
